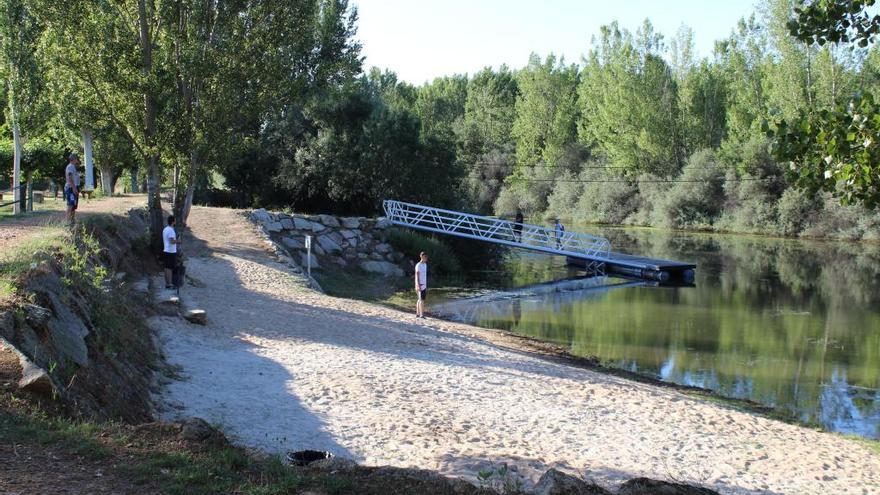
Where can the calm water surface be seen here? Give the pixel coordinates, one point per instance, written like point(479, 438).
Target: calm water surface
point(789, 324)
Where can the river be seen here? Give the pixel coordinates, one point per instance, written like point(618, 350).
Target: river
point(790, 324)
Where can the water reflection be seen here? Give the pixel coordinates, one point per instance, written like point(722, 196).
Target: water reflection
point(790, 324)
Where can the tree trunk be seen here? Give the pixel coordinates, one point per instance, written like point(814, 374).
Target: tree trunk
point(16, 166)
point(190, 188)
point(107, 179)
point(89, 161)
point(154, 200)
point(135, 189)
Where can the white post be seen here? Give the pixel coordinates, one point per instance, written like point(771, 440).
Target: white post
point(16, 168)
point(309, 254)
point(90, 166)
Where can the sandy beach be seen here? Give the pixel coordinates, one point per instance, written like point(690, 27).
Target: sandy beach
point(283, 367)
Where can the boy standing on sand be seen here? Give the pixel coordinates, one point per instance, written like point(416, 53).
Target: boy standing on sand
point(169, 253)
point(421, 284)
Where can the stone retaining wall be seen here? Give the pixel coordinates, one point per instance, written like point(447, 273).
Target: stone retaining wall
point(346, 242)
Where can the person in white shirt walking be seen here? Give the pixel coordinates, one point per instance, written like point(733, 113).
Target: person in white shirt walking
point(71, 188)
point(169, 253)
point(421, 284)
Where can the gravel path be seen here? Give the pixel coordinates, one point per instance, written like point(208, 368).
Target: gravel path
point(282, 367)
point(16, 230)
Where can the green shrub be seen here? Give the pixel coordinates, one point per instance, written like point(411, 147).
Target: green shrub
point(442, 258)
point(696, 200)
point(796, 211)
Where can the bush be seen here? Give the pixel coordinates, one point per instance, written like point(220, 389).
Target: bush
point(796, 211)
point(696, 200)
point(606, 198)
point(442, 258)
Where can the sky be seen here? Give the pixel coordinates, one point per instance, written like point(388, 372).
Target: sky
point(424, 39)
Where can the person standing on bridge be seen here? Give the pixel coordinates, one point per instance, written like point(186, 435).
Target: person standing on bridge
point(560, 232)
point(421, 284)
point(517, 225)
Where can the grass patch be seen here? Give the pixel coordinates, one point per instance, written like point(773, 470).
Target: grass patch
point(47, 206)
point(441, 259)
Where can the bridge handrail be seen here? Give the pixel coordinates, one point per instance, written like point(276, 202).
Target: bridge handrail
point(496, 230)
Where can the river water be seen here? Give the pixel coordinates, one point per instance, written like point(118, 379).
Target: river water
point(790, 324)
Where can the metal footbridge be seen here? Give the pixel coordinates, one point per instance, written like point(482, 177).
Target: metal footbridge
point(592, 253)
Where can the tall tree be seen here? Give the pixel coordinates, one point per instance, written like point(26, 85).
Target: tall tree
point(19, 35)
point(546, 111)
point(629, 102)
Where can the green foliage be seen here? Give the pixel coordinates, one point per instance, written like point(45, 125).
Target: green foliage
point(546, 111)
point(629, 102)
point(443, 260)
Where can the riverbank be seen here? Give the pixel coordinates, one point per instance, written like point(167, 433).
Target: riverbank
point(288, 368)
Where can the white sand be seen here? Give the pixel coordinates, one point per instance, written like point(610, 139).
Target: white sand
point(282, 367)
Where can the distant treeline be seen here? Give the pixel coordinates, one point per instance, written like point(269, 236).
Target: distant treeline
point(641, 131)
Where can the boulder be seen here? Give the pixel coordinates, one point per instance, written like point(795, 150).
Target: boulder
point(317, 249)
point(35, 379)
point(317, 226)
point(376, 256)
point(304, 259)
point(301, 224)
point(555, 482)
point(196, 429)
point(328, 244)
point(197, 316)
point(647, 486)
point(291, 243)
point(397, 257)
point(274, 227)
point(353, 242)
point(261, 215)
point(329, 220)
point(350, 222)
point(383, 223)
point(348, 234)
point(383, 268)
point(336, 260)
point(383, 248)
point(6, 325)
point(362, 256)
point(287, 224)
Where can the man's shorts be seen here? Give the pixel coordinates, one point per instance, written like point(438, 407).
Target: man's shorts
point(170, 260)
point(71, 198)
point(423, 295)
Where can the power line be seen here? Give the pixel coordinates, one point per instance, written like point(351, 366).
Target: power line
point(646, 181)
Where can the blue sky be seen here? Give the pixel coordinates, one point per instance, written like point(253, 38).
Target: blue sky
point(423, 39)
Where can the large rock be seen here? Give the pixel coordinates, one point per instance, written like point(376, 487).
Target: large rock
point(274, 227)
point(646, 486)
point(305, 258)
point(197, 316)
point(555, 482)
point(261, 215)
point(318, 227)
point(287, 224)
point(328, 244)
point(383, 248)
point(348, 234)
point(329, 220)
point(35, 379)
point(383, 223)
point(301, 224)
point(196, 429)
point(291, 243)
point(383, 268)
point(351, 222)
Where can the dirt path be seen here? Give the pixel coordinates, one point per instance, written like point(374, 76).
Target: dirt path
point(16, 230)
point(282, 367)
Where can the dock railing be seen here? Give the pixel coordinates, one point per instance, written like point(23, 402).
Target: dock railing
point(593, 249)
